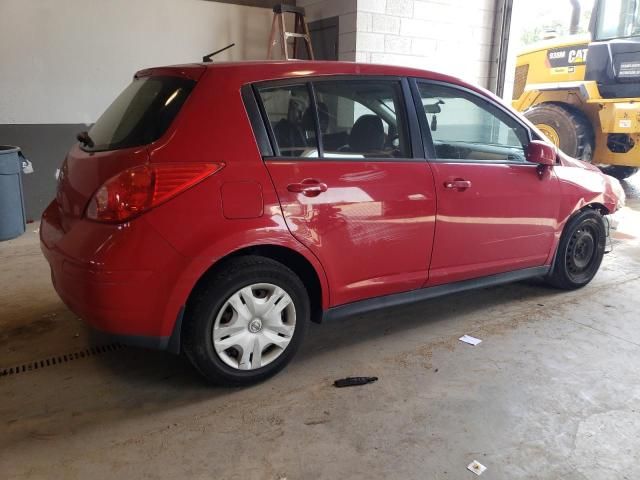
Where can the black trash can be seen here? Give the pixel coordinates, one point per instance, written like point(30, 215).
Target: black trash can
point(12, 216)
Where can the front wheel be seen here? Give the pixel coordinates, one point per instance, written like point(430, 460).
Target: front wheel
point(245, 324)
point(580, 251)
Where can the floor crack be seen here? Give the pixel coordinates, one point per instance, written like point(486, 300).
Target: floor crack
point(605, 333)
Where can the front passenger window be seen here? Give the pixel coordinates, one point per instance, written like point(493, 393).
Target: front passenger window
point(466, 127)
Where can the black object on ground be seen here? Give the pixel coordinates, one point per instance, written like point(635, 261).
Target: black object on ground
point(354, 381)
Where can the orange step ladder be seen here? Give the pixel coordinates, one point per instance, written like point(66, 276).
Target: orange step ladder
point(279, 31)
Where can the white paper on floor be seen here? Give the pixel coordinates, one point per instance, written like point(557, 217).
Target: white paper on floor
point(470, 340)
point(476, 467)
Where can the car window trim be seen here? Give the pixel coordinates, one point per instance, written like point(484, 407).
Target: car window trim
point(266, 124)
point(255, 119)
point(413, 130)
point(426, 129)
point(411, 118)
point(316, 118)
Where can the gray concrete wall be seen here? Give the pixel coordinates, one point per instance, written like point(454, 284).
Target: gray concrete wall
point(64, 62)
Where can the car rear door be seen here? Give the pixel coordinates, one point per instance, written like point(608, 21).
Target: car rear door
point(353, 187)
point(496, 212)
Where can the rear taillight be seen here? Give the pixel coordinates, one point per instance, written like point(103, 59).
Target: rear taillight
point(141, 188)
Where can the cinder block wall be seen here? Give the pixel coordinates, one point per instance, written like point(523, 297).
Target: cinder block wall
point(452, 36)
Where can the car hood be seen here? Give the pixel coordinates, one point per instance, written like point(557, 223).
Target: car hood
point(568, 161)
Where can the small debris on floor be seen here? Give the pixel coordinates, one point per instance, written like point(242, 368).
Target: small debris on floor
point(354, 381)
point(76, 335)
point(476, 467)
point(470, 340)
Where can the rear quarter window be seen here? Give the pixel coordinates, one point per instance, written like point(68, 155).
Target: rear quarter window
point(141, 114)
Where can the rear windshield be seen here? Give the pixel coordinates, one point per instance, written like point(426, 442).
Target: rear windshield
point(141, 113)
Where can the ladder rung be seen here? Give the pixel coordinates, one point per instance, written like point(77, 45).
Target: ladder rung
point(295, 35)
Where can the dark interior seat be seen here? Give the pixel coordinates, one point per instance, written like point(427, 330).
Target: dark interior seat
point(289, 136)
point(367, 134)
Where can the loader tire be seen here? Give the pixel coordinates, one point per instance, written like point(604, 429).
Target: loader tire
point(621, 173)
point(568, 128)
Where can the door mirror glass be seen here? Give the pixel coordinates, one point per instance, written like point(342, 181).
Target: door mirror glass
point(541, 153)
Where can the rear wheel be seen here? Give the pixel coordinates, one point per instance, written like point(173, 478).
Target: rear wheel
point(580, 251)
point(245, 324)
point(568, 128)
point(621, 173)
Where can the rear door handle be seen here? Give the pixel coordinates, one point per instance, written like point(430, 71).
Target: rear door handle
point(309, 187)
point(457, 184)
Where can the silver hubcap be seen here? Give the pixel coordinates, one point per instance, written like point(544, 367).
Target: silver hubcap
point(254, 326)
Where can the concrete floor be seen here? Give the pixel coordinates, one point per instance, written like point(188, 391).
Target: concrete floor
point(552, 391)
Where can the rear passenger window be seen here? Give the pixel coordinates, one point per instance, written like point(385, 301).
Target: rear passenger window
point(291, 117)
point(362, 119)
point(356, 119)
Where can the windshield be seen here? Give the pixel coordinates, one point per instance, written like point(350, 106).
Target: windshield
point(141, 114)
point(617, 19)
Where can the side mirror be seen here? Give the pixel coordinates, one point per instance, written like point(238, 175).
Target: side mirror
point(541, 153)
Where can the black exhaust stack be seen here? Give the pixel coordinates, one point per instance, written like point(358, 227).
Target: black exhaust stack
point(575, 17)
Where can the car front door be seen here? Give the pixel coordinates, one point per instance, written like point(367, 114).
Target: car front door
point(350, 186)
point(496, 211)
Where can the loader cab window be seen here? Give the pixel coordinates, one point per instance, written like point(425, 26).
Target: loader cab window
point(464, 126)
point(617, 19)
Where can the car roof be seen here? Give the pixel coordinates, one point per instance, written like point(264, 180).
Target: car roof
point(257, 71)
point(304, 68)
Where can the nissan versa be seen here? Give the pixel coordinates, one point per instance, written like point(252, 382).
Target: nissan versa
point(216, 210)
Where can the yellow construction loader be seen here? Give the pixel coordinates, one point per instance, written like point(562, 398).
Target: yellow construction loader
point(583, 91)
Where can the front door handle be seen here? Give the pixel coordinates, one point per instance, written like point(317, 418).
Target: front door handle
point(309, 187)
point(457, 184)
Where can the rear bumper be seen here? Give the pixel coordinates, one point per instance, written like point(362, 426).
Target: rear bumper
point(117, 278)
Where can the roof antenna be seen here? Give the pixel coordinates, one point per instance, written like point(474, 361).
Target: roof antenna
point(207, 58)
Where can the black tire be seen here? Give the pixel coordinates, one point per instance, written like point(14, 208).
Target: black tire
point(573, 128)
point(580, 251)
point(202, 310)
point(621, 173)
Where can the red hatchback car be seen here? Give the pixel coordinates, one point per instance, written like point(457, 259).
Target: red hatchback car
point(217, 209)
